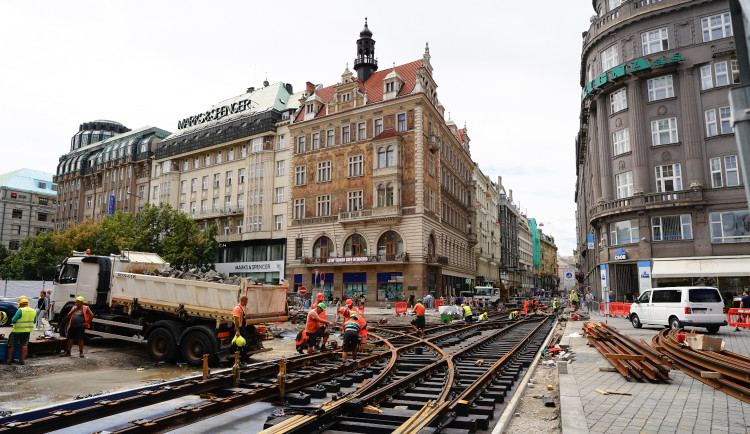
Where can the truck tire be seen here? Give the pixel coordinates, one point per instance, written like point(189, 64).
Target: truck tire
point(196, 342)
point(162, 346)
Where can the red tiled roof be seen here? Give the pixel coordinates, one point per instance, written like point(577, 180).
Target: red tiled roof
point(385, 134)
point(460, 135)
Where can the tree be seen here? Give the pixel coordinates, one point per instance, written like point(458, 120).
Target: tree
point(37, 259)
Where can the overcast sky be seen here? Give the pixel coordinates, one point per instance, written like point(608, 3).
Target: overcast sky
point(508, 69)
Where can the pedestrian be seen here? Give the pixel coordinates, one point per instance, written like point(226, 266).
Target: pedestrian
point(42, 307)
point(612, 297)
point(338, 308)
point(419, 322)
point(239, 316)
point(411, 299)
point(590, 301)
point(351, 330)
point(314, 327)
point(362, 299)
point(51, 303)
point(23, 324)
point(80, 320)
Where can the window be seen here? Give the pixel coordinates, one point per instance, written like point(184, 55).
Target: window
point(257, 144)
point(278, 222)
point(389, 156)
point(730, 226)
point(205, 183)
point(725, 116)
point(241, 176)
point(279, 168)
point(402, 122)
point(299, 175)
point(88, 202)
point(664, 131)
point(361, 131)
point(298, 248)
point(381, 157)
point(230, 154)
point(655, 41)
point(389, 244)
point(226, 228)
point(731, 173)
point(345, 134)
point(624, 232)
point(431, 163)
point(204, 206)
point(282, 142)
point(316, 141)
point(243, 151)
point(42, 217)
point(17, 214)
point(192, 207)
point(624, 182)
point(323, 205)
point(660, 88)
point(722, 74)
point(390, 86)
point(15, 245)
point(324, 171)
point(378, 126)
point(618, 101)
point(43, 201)
point(218, 157)
point(215, 204)
point(183, 187)
point(279, 194)
point(431, 204)
point(355, 245)
point(735, 71)
point(675, 227)
point(142, 190)
point(196, 162)
point(354, 200)
point(217, 180)
point(610, 58)
point(621, 140)
point(711, 128)
point(668, 178)
point(15, 229)
point(323, 248)
point(716, 27)
point(345, 97)
point(156, 193)
point(299, 208)
point(300, 144)
point(241, 200)
point(614, 4)
point(207, 161)
point(239, 226)
point(354, 168)
point(229, 178)
point(182, 207)
point(717, 180)
point(227, 202)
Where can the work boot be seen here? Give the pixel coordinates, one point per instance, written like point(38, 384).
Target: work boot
point(65, 354)
point(20, 362)
point(80, 354)
point(2, 362)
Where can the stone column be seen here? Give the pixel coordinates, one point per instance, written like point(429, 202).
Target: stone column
point(640, 139)
point(694, 174)
point(605, 147)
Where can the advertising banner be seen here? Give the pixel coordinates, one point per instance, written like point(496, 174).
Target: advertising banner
point(644, 276)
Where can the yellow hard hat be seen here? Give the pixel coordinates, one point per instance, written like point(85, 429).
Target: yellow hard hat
point(239, 341)
point(80, 298)
point(23, 299)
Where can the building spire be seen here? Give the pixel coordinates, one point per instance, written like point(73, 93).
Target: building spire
point(365, 63)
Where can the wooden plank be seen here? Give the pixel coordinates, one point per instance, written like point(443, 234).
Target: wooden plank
point(607, 369)
point(625, 356)
point(710, 374)
point(612, 392)
point(601, 391)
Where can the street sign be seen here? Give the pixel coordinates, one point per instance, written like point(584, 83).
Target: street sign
point(468, 280)
point(323, 278)
point(302, 290)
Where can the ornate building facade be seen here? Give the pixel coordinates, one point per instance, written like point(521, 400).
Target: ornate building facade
point(382, 199)
point(487, 250)
point(508, 217)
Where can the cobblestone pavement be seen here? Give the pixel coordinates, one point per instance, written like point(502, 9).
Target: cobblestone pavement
point(684, 405)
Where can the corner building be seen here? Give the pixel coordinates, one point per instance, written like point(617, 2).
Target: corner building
point(658, 193)
point(381, 186)
point(28, 199)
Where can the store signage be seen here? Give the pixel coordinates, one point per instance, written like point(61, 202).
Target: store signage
point(250, 267)
point(627, 68)
point(590, 241)
point(346, 259)
point(621, 254)
point(215, 114)
point(644, 275)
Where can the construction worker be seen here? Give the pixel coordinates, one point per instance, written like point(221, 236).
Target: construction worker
point(300, 341)
point(239, 316)
point(351, 336)
point(574, 300)
point(347, 309)
point(362, 327)
point(513, 315)
point(535, 303)
point(418, 323)
point(554, 305)
point(526, 307)
point(80, 320)
point(482, 317)
point(468, 316)
point(314, 327)
point(23, 325)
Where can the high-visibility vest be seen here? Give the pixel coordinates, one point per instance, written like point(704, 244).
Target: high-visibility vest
point(554, 304)
point(25, 324)
point(301, 337)
point(362, 330)
point(513, 315)
point(467, 310)
point(87, 315)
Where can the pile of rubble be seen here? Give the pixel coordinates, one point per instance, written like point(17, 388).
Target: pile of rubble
point(196, 274)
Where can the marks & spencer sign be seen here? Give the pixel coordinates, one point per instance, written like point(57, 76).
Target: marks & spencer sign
point(627, 68)
point(215, 113)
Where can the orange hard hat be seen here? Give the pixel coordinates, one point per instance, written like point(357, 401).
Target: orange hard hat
point(349, 302)
point(320, 296)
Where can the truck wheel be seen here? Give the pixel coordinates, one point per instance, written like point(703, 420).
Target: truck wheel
point(162, 346)
point(194, 346)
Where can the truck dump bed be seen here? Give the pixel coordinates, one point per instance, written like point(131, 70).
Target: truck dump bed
point(194, 298)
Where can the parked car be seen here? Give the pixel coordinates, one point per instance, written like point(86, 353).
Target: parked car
point(9, 306)
point(677, 307)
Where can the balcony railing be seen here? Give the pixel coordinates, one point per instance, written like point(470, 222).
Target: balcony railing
point(341, 260)
point(646, 201)
point(437, 259)
point(217, 212)
point(381, 213)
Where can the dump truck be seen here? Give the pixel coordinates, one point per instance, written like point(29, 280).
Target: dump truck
point(174, 317)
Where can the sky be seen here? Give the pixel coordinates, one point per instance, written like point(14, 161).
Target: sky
point(510, 73)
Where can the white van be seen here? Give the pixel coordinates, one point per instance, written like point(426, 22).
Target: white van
point(699, 306)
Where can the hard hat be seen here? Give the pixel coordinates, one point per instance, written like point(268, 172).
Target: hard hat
point(239, 341)
point(419, 300)
point(349, 302)
point(80, 298)
point(23, 299)
point(354, 315)
point(322, 305)
point(320, 296)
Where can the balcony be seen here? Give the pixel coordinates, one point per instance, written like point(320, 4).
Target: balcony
point(381, 214)
point(389, 171)
point(437, 259)
point(647, 201)
point(218, 212)
point(354, 260)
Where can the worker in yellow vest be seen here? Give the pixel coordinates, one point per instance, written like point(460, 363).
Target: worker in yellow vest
point(467, 313)
point(23, 324)
point(513, 315)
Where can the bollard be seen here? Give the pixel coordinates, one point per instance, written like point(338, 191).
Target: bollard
point(206, 371)
point(281, 379)
point(236, 369)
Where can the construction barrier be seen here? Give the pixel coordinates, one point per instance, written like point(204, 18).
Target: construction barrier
point(616, 309)
point(400, 307)
point(739, 317)
point(438, 303)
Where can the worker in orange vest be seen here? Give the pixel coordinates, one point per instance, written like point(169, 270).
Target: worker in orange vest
point(535, 302)
point(526, 307)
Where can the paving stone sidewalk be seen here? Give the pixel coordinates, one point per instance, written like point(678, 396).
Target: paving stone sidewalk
point(684, 405)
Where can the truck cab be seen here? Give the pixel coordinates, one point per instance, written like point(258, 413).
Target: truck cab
point(81, 276)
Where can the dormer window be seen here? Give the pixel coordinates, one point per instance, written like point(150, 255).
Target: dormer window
point(345, 97)
point(311, 108)
point(390, 87)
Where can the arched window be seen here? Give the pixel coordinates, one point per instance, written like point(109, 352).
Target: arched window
point(323, 248)
point(355, 245)
point(381, 157)
point(389, 156)
point(389, 194)
point(389, 244)
point(431, 245)
point(381, 195)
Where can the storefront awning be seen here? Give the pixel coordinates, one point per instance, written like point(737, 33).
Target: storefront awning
point(706, 266)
